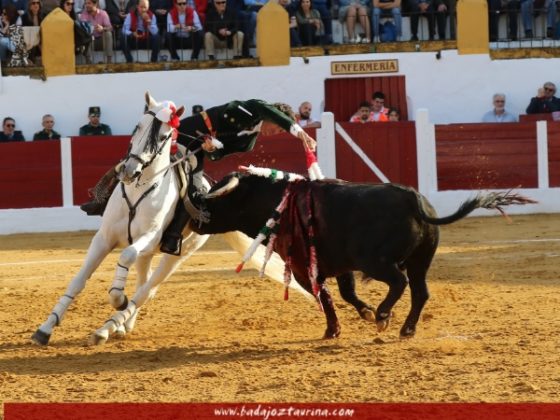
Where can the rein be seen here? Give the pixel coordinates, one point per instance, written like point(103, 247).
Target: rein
point(132, 207)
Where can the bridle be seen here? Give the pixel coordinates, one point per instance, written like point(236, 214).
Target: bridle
point(145, 163)
point(159, 150)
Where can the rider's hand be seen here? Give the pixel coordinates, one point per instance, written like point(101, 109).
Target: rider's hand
point(207, 146)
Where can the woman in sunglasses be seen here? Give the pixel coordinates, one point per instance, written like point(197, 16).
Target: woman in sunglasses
point(33, 17)
point(545, 102)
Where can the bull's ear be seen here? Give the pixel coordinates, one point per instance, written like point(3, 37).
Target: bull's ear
point(226, 189)
point(180, 111)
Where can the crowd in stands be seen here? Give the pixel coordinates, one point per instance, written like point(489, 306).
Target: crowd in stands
point(545, 102)
point(107, 25)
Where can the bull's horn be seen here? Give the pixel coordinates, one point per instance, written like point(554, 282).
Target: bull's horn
point(226, 189)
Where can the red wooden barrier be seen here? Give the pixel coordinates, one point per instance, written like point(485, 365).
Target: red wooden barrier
point(479, 156)
point(30, 175)
point(391, 146)
point(554, 153)
point(92, 156)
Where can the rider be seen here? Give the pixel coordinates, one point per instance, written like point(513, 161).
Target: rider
point(225, 129)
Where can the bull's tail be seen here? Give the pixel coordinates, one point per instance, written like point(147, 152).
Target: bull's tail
point(493, 200)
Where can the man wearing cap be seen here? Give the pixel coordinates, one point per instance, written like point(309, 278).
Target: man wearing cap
point(217, 132)
point(95, 128)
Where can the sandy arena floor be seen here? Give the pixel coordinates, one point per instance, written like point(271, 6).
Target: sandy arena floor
point(490, 331)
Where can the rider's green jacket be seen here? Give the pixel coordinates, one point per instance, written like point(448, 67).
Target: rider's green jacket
point(236, 124)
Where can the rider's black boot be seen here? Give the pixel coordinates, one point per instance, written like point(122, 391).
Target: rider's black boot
point(100, 193)
point(173, 235)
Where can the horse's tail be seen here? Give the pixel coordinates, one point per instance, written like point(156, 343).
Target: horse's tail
point(493, 200)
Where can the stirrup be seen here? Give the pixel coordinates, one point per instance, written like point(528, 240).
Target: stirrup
point(172, 244)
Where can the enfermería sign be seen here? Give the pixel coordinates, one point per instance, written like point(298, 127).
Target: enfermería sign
point(364, 67)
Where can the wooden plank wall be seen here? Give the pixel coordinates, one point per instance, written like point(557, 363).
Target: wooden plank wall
point(478, 156)
point(343, 95)
point(554, 153)
point(30, 175)
point(391, 147)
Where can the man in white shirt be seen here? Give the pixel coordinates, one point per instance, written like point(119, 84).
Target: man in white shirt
point(499, 113)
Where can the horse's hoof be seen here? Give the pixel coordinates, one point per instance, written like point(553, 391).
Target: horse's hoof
point(368, 314)
point(124, 305)
point(408, 332)
point(41, 338)
point(383, 323)
point(98, 339)
point(121, 332)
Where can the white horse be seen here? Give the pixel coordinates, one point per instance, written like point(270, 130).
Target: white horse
point(136, 215)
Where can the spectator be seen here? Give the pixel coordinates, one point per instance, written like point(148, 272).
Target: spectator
point(363, 115)
point(47, 133)
point(394, 115)
point(183, 30)
point(160, 9)
point(11, 37)
point(351, 10)
point(528, 11)
point(295, 41)
point(9, 132)
point(140, 30)
point(303, 116)
point(33, 15)
point(222, 30)
point(117, 11)
point(497, 8)
point(386, 8)
point(324, 9)
point(95, 128)
point(102, 30)
point(545, 101)
point(378, 110)
point(48, 6)
point(82, 33)
point(197, 109)
point(499, 113)
point(200, 6)
point(252, 7)
point(20, 5)
point(310, 25)
point(427, 9)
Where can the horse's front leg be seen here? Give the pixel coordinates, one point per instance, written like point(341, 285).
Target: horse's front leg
point(98, 250)
point(143, 246)
point(166, 267)
point(143, 273)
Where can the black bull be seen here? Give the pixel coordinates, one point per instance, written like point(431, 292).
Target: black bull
point(388, 232)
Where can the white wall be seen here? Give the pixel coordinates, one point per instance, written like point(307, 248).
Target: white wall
point(454, 88)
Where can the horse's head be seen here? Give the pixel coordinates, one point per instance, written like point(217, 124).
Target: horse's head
point(151, 137)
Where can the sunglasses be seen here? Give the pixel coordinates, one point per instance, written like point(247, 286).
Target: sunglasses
point(10, 125)
point(219, 2)
point(68, 4)
point(35, 2)
point(550, 89)
point(181, 4)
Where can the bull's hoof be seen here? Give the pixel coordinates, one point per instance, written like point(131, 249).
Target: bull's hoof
point(41, 338)
point(383, 320)
point(367, 313)
point(408, 332)
point(98, 339)
point(331, 334)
